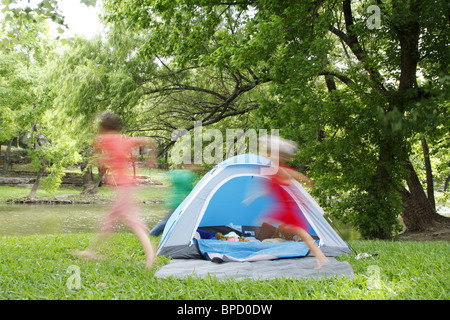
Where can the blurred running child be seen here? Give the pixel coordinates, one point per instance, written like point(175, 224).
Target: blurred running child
point(285, 210)
point(182, 182)
point(113, 152)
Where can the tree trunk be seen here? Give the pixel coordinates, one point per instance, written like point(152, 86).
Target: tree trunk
point(37, 145)
point(383, 201)
point(429, 173)
point(90, 187)
point(101, 174)
point(36, 183)
point(7, 161)
point(418, 214)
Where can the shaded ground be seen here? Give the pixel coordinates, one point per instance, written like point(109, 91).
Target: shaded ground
point(440, 231)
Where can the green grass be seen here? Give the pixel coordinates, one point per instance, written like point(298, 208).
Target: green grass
point(39, 267)
point(17, 192)
point(145, 192)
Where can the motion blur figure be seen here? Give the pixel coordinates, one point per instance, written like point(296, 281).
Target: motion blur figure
point(113, 151)
point(285, 210)
point(182, 182)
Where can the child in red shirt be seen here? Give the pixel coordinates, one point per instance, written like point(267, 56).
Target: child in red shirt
point(285, 210)
point(114, 154)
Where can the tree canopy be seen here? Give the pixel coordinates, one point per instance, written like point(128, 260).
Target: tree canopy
point(356, 94)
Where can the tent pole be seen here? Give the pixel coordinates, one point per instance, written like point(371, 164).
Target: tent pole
point(343, 238)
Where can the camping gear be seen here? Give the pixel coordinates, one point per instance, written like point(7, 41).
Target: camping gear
point(215, 205)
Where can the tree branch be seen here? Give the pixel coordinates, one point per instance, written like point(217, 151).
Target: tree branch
point(341, 77)
point(186, 87)
point(352, 42)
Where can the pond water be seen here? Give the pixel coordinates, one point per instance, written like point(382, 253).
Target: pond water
point(21, 220)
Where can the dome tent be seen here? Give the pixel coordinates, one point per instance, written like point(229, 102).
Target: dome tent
point(216, 204)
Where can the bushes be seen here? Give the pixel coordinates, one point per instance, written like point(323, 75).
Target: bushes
point(372, 218)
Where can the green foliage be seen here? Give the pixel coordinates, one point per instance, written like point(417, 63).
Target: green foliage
point(372, 217)
point(18, 78)
point(21, 14)
point(26, 102)
point(92, 76)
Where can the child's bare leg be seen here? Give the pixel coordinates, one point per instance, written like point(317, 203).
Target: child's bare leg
point(321, 259)
point(106, 228)
point(138, 227)
point(92, 252)
point(142, 234)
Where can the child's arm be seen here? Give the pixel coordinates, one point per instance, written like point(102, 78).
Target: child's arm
point(300, 177)
point(151, 145)
point(254, 194)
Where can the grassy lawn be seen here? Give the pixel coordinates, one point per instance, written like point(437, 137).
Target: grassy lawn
point(17, 192)
point(42, 267)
